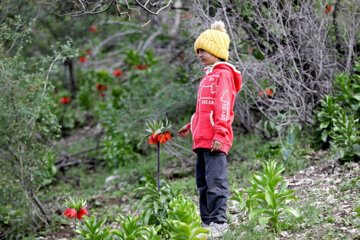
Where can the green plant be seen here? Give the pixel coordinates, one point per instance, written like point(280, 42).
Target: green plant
point(268, 197)
point(239, 196)
point(345, 135)
point(154, 204)
point(328, 111)
point(347, 89)
point(27, 123)
point(92, 229)
point(338, 118)
point(132, 229)
point(357, 210)
point(118, 148)
point(158, 133)
point(183, 220)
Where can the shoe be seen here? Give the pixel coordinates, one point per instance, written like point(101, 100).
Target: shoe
point(218, 229)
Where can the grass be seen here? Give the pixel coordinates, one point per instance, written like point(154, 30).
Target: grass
point(110, 192)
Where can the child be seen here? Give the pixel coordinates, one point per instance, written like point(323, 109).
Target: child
point(210, 125)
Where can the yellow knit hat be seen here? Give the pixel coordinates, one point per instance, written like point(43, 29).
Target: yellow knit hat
point(214, 40)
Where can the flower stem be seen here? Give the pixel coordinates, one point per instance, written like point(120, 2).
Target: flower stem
point(158, 167)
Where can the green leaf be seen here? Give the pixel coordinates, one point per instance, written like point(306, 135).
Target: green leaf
point(263, 221)
point(292, 211)
point(254, 212)
point(290, 139)
point(270, 198)
point(324, 125)
point(286, 152)
point(357, 97)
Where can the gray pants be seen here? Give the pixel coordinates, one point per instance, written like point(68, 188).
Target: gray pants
point(211, 180)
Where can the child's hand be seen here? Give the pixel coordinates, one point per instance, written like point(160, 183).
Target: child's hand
point(216, 146)
point(184, 131)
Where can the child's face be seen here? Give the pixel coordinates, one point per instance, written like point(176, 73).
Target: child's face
point(207, 58)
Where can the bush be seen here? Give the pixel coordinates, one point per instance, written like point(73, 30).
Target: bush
point(338, 117)
point(26, 126)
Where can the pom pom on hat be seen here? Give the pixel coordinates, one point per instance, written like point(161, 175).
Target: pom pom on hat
point(218, 25)
point(214, 40)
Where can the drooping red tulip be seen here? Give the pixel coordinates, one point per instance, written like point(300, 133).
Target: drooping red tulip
point(269, 92)
point(100, 87)
point(159, 138)
point(153, 139)
point(82, 59)
point(81, 213)
point(64, 100)
point(168, 136)
point(93, 29)
point(117, 73)
point(162, 139)
point(143, 66)
point(328, 9)
point(88, 51)
point(70, 213)
point(181, 56)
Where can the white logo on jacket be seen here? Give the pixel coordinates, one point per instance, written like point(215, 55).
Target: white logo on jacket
point(224, 105)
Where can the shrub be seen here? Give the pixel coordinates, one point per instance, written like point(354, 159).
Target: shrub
point(267, 197)
point(338, 117)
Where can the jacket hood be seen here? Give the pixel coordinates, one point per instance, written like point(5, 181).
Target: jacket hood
point(229, 67)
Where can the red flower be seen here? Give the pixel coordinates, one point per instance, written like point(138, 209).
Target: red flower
point(102, 94)
point(153, 139)
point(100, 87)
point(70, 213)
point(82, 59)
point(159, 138)
point(251, 50)
point(181, 56)
point(30, 89)
point(162, 138)
point(168, 136)
point(64, 100)
point(141, 67)
point(269, 92)
point(117, 73)
point(88, 52)
point(81, 213)
point(93, 29)
point(184, 15)
point(328, 9)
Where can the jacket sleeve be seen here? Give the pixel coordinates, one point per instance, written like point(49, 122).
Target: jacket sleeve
point(222, 106)
point(189, 126)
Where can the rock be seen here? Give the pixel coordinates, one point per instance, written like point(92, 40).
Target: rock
point(259, 228)
point(111, 178)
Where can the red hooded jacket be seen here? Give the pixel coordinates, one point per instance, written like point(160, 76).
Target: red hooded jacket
point(214, 109)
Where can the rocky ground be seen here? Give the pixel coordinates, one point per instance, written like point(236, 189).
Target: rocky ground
point(328, 193)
